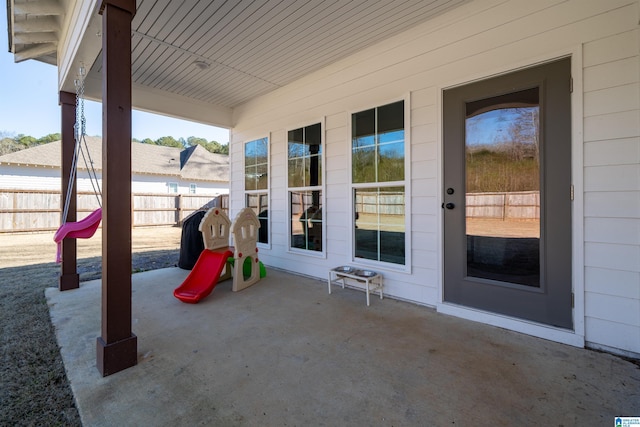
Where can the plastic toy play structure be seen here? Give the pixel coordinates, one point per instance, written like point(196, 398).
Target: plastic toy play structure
point(219, 261)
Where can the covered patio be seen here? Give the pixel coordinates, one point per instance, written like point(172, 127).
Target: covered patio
point(285, 352)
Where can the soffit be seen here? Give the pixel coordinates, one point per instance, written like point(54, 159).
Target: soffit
point(249, 48)
point(246, 48)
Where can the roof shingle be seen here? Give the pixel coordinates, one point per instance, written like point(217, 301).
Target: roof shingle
point(145, 159)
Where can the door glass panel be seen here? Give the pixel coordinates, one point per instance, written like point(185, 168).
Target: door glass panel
point(502, 150)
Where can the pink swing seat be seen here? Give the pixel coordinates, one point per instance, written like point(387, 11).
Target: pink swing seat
point(82, 229)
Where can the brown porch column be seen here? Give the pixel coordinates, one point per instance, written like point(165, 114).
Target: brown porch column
point(69, 277)
point(117, 348)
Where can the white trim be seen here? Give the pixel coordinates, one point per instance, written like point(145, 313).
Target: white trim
point(530, 328)
point(577, 208)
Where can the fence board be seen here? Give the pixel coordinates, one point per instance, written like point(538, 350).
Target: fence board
point(39, 210)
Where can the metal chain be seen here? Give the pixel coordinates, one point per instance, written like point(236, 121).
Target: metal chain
point(79, 129)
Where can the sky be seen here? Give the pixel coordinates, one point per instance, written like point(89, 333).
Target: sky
point(29, 104)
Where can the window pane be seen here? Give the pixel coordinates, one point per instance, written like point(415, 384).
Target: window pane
point(262, 177)
point(391, 117)
point(313, 135)
point(259, 203)
point(250, 178)
point(363, 123)
point(250, 153)
point(262, 150)
point(316, 177)
point(306, 220)
point(380, 224)
point(363, 141)
point(364, 165)
point(389, 137)
point(296, 172)
point(296, 143)
point(391, 162)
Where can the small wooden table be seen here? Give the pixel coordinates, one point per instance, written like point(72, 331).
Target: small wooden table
point(372, 280)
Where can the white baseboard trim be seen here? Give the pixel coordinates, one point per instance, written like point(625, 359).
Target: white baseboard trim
point(526, 327)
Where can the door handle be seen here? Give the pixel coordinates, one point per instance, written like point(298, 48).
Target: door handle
point(449, 205)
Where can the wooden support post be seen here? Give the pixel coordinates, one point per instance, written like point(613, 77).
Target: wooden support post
point(117, 346)
point(69, 277)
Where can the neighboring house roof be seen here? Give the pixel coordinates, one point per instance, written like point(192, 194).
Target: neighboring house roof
point(193, 163)
point(202, 164)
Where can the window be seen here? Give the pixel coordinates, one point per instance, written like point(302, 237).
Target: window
point(378, 183)
point(256, 183)
point(172, 187)
point(193, 188)
point(305, 188)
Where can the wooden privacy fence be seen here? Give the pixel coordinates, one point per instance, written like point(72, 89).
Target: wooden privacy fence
point(39, 210)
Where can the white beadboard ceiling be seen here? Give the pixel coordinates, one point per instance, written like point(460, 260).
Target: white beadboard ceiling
point(248, 47)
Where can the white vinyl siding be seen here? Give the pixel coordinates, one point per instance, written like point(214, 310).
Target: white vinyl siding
point(474, 41)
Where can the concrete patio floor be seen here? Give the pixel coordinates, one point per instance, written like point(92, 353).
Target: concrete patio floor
point(285, 353)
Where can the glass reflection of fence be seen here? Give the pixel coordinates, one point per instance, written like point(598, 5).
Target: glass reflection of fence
point(521, 205)
point(383, 203)
point(384, 211)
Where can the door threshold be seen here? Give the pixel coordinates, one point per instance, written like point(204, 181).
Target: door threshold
point(551, 333)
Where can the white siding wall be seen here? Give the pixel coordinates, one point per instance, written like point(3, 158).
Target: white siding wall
point(612, 190)
point(475, 41)
point(32, 178)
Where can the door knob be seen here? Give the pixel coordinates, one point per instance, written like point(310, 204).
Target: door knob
point(449, 206)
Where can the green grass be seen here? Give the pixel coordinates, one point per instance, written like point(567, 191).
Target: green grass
point(34, 390)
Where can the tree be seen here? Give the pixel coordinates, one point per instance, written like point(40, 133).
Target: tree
point(211, 146)
point(169, 141)
point(25, 140)
point(9, 145)
point(49, 138)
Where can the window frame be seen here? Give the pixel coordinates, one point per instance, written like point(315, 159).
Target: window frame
point(193, 188)
point(259, 192)
point(406, 183)
point(322, 188)
point(171, 185)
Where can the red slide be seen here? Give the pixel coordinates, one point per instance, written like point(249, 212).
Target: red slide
point(204, 276)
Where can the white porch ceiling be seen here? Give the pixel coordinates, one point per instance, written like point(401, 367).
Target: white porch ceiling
point(246, 47)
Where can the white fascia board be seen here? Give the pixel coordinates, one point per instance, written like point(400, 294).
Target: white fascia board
point(166, 104)
point(180, 107)
point(80, 42)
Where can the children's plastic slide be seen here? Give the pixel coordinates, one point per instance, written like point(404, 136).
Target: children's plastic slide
point(204, 276)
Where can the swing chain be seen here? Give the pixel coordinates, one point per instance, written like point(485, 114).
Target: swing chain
point(79, 129)
point(81, 122)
